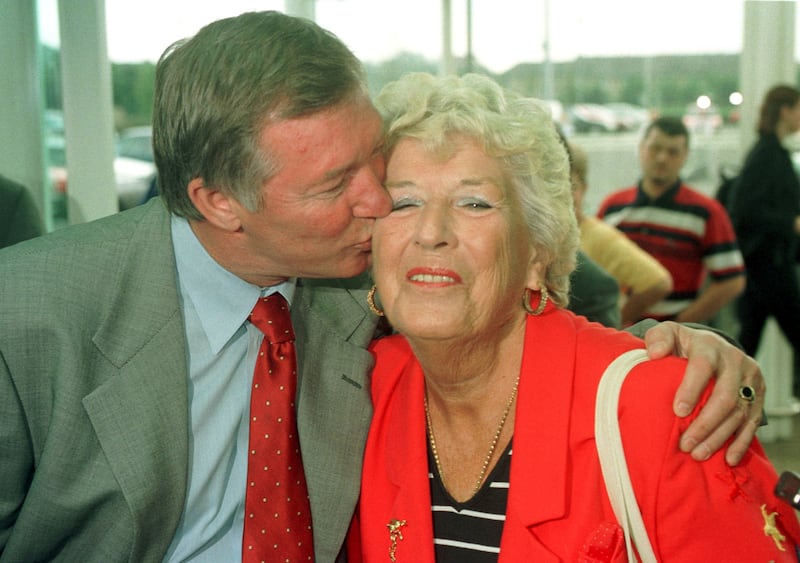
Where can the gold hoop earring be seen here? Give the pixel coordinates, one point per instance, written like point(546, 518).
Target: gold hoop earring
point(371, 302)
point(526, 301)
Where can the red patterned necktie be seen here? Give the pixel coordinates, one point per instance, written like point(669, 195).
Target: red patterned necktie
point(277, 523)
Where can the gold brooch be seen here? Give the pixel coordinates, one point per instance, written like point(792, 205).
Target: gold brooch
point(395, 533)
point(770, 528)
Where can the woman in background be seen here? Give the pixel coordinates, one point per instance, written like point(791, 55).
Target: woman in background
point(765, 211)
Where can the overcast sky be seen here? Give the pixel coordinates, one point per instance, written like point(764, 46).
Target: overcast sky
point(505, 32)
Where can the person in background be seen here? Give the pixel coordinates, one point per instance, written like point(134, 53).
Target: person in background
point(765, 210)
point(594, 294)
point(482, 443)
point(128, 344)
point(19, 217)
point(642, 279)
point(688, 232)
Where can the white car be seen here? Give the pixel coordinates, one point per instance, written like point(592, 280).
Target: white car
point(628, 116)
point(133, 165)
point(134, 170)
point(587, 118)
point(133, 179)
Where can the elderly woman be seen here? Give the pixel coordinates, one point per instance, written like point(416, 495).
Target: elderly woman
point(472, 268)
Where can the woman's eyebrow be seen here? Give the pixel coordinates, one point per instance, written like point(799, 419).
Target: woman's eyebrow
point(401, 184)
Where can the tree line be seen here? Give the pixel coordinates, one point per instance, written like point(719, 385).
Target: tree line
point(666, 83)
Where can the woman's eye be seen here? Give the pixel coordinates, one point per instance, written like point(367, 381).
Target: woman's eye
point(476, 204)
point(403, 203)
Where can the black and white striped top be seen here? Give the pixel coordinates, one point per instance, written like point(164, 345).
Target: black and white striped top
point(470, 532)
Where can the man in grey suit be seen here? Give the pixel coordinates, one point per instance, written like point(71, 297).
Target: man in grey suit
point(125, 351)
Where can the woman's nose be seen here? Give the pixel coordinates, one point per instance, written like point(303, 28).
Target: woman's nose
point(434, 226)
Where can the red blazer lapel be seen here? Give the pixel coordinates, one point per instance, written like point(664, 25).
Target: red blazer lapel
point(538, 489)
point(395, 487)
point(407, 468)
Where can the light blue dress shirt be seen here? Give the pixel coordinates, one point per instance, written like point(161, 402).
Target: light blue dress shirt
point(222, 348)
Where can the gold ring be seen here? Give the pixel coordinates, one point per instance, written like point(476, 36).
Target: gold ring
point(747, 393)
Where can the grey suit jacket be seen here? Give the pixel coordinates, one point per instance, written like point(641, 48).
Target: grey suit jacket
point(93, 394)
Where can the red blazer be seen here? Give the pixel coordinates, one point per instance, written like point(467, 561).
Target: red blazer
point(557, 504)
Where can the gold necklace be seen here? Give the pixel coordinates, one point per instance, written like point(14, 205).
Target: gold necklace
point(492, 447)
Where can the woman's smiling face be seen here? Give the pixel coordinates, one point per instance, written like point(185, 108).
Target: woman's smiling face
point(453, 257)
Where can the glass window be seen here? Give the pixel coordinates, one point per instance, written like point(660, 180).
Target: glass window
point(604, 68)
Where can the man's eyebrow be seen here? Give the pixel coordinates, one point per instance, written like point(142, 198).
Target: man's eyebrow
point(337, 172)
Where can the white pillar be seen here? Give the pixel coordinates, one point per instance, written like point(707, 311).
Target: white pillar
point(767, 56)
point(767, 60)
point(548, 81)
point(446, 64)
point(22, 152)
point(88, 110)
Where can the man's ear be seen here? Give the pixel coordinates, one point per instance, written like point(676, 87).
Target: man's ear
point(218, 208)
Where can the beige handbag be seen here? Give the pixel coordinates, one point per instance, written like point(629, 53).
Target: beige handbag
point(612, 457)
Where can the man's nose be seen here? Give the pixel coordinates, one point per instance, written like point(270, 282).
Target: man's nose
point(370, 197)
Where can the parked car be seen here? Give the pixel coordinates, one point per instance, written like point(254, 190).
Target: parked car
point(57, 172)
point(133, 165)
point(136, 142)
point(702, 120)
point(628, 117)
point(133, 179)
point(559, 115)
point(587, 118)
point(134, 169)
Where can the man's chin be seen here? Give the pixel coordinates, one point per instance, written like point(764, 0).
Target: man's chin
point(663, 182)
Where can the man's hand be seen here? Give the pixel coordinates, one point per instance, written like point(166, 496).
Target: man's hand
point(725, 413)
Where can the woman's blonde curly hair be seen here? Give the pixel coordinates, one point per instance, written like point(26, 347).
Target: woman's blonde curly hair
point(517, 131)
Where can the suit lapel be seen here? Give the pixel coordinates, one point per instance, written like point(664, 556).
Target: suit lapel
point(333, 329)
point(140, 414)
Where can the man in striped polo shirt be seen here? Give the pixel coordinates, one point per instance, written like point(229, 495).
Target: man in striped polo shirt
point(688, 232)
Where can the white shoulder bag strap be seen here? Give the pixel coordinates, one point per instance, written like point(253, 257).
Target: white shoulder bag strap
point(612, 457)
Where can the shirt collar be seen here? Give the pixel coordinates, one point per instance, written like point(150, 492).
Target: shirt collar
point(643, 199)
point(221, 299)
